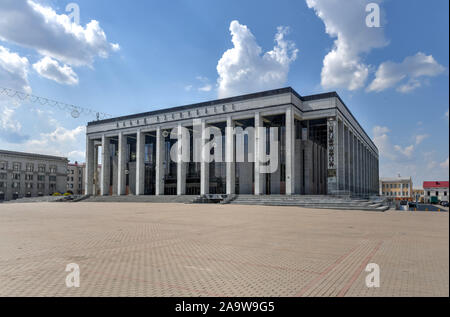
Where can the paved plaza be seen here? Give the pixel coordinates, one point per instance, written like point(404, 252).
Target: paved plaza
point(141, 249)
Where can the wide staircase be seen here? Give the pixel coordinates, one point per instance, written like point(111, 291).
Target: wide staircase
point(144, 199)
point(314, 201)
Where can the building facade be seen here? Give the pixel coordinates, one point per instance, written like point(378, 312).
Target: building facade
point(31, 175)
point(439, 190)
point(399, 188)
point(76, 172)
point(75, 178)
point(272, 142)
point(418, 195)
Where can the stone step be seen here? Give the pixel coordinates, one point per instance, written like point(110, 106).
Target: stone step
point(143, 198)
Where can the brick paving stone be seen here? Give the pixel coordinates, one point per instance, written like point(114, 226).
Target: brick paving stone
point(149, 249)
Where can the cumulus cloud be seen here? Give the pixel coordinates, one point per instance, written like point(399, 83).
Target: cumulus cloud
point(406, 151)
point(206, 87)
point(60, 141)
point(30, 24)
point(420, 138)
point(10, 128)
point(444, 164)
point(412, 69)
point(243, 68)
point(13, 70)
point(387, 149)
point(51, 69)
point(343, 66)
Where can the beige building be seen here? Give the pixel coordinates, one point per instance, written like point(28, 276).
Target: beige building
point(30, 175)
point(400, 188)
point(419, 194)
point(75, 177)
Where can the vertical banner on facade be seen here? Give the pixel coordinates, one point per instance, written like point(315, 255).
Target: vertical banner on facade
point(332, 155)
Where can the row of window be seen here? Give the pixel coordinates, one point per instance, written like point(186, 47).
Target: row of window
point(16, 185)
point(28, 177)
point(395, 185)
point(396, 194)
point(29, 167)
point(72, 171)
point(436, 193)
point(71, 186)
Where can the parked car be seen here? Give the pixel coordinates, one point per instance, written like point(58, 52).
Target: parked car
point(444, 203)
point(412, 205)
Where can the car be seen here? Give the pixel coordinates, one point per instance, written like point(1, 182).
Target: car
point(412, 205)
point(444, 203)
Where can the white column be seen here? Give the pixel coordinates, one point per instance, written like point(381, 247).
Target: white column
point(290, 152)
point(258, 176)
point(140, 165)
point(121, 177)
point(181, 166)
point(106, 166)
point(204, 160)
point(229, 155)
point(159, 168)
point(95, 166)
point(89, 177)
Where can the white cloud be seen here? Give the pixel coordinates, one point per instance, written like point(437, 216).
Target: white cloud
point(381, 140)
point(343, 66)
point(406, 151)
point(412, 68)
point(29, 24)
point(10, 128)
point(243, 68)
point(387, 149)
point(446, 114)
point(206, 87)
point(51, 69)
point(13, 70)
point(61, 142)
point(444, 164)
point(420, 138)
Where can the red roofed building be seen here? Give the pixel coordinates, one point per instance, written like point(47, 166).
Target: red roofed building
point(435, 189)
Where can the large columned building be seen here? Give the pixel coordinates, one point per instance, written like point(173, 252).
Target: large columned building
point(271, 142)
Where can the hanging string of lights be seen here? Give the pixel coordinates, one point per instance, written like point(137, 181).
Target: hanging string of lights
point(75, 111)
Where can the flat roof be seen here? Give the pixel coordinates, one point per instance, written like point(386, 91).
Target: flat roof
point(395, 179)
point(33, 155)
point(266, 93)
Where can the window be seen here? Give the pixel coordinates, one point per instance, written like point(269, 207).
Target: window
point(71, 172)
point(28, 177)
point(16, 166)
point(15, 185)
point(29, 185)
point(437, 193)
point(445, 193)
point(52, 188)
point(3, 166)
point(30, 167)
point(41, 178)
point(52, 178)
point(2, 185)
point(40, 186)
point(71, 179)
point(16, 176)
point(52, 169)
point(428, 193)
point(41, 168)
point(2, 175)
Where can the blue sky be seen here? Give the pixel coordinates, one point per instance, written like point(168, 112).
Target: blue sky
point(147, 55)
